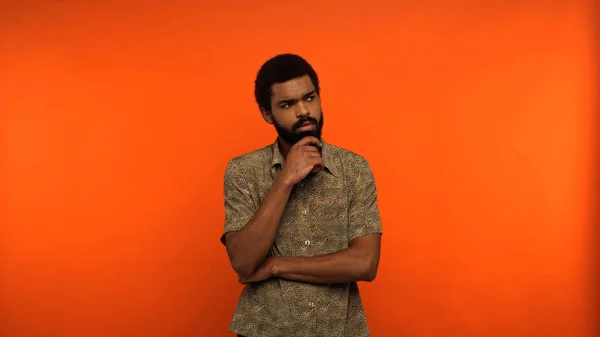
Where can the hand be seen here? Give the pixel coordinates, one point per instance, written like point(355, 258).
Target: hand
point(304, 157)
point(264, 272)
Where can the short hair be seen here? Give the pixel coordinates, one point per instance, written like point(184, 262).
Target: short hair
point(281, 68)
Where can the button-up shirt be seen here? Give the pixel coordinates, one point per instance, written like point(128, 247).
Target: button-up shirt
point(324, 213)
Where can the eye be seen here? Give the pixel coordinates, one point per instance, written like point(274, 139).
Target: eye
point(310, 98)
point(286, 105)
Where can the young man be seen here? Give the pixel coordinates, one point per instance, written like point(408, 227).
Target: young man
point(302, 223)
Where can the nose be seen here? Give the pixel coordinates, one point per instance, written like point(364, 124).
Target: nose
point(302, 109)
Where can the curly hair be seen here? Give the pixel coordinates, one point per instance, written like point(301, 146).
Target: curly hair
point(279, 69)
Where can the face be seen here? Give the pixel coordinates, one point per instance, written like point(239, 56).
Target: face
point(295, 110)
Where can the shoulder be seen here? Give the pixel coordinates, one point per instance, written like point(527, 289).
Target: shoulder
point(351, 161)
point(356, 171)
point(245, 165)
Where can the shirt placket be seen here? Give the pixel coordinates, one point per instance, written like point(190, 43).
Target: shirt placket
point(308, 301)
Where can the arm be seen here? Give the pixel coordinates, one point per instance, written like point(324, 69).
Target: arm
point(249, 246)
point(251, 230)
point(359, 262)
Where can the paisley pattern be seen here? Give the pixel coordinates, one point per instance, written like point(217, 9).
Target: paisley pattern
point(324, 213)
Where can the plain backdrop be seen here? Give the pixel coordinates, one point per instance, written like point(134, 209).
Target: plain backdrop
point(119, 117)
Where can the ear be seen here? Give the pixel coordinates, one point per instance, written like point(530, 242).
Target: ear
point(267, 116)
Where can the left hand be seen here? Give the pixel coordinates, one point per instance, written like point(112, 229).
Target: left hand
point(262, 273)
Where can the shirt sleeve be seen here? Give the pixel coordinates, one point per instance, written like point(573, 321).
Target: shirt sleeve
point(364, 218)
point(239, 204)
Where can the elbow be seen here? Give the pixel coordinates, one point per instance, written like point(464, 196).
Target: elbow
point(370, 275)
point(242, 267)
point(243, 274)
point(369, 270)
point(243, 270)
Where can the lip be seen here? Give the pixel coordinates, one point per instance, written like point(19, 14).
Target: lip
point(306, 127)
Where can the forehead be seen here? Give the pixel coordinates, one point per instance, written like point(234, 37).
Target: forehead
point(292, 89)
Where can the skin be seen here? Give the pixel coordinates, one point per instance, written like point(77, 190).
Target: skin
point(291, 102)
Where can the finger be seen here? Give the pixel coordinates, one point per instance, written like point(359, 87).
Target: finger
point(317, 161)
point(309, 140)
point(310, 148)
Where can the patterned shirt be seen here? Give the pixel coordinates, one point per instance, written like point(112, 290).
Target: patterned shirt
point(323, 214)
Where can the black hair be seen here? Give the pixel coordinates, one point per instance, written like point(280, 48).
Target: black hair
point(279, 69)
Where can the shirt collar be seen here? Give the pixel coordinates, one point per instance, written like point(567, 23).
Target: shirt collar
point(328, 153)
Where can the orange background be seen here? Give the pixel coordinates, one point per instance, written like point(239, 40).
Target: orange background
point(118, 118)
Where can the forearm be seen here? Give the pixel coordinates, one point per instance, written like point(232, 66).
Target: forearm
point(248, 247)
point(348, 265)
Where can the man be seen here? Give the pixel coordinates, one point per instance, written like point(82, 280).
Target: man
point(302, 224)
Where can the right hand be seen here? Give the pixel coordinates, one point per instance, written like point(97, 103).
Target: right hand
point(302, 158)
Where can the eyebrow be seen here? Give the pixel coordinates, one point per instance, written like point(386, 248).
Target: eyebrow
point(292, 100)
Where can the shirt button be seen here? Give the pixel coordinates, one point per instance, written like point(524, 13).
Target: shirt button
point(304, 212)
point(311, 304)
point(307, 242)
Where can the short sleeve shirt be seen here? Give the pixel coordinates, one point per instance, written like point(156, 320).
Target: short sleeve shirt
point(324, 213)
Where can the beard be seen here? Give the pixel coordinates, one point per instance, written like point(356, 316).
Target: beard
point(293, 136)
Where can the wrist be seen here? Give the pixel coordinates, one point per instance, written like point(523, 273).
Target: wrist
point(284, 183)
point(275, 266)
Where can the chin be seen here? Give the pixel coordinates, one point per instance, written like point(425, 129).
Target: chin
point(309, 134)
